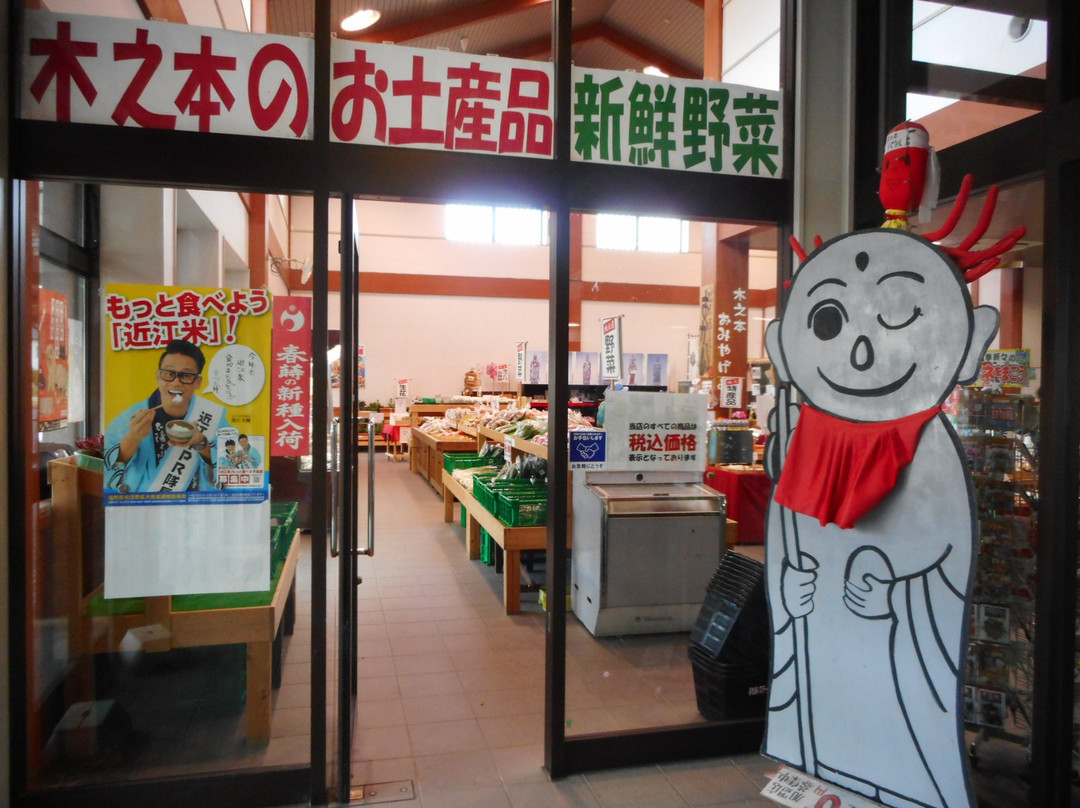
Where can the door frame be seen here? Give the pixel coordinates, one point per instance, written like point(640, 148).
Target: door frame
point(46, 150)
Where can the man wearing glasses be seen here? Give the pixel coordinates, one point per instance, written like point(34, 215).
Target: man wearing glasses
point(146, 450)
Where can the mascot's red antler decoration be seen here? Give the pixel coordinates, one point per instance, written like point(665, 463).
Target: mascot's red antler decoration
point(909, 181)
point(975, 264)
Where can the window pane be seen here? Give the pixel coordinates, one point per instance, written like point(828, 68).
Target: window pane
point(468, 223)
point(517, 226)
point(945, 34)
point(614, 232)
point(659, 235)
point(954, 102)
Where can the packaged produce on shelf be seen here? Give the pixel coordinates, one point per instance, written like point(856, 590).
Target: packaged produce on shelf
point(525, 467)
point(438, 426)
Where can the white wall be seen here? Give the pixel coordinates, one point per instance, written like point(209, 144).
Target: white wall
point(752, 43)
point(647, 328)
point(225, 212)
point(138, 234)
point(631, 266)
point(434, 341)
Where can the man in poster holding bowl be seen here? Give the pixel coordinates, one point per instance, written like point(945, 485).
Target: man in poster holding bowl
point(168, 441)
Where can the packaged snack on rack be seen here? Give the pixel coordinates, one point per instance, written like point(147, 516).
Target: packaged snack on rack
point(993, 665)
point(993, 625)
point(991, 707)
point(1000, 456)
point(970, 714)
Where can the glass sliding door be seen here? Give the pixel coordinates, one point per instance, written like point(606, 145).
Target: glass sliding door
point(177, 645)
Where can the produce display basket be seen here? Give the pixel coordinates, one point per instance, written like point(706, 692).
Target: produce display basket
point(524, 509)
point(282, 527)
point(485, 488)
point(452, 461)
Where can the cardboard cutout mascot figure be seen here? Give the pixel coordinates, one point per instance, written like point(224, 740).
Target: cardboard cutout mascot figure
point(872, 533)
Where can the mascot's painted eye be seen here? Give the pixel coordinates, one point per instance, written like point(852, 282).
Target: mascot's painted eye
point(827, 319)
point(915, 315)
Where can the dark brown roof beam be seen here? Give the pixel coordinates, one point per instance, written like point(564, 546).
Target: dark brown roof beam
point(639, 50)
point(617, 39)
point(967, 84)
point(447, 21)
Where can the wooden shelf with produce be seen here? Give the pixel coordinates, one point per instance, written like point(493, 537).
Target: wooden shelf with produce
point(512, 540)
point(426, 453)
point(488, 435)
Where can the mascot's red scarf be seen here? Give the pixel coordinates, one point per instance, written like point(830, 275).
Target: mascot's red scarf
point(838, 471)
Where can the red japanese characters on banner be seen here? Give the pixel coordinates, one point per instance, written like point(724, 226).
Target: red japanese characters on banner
point(290, 382)
point(386, 95)
point(158, 75)
point(200, 317)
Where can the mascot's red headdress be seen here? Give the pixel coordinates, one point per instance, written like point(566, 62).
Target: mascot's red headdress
point(909, 179)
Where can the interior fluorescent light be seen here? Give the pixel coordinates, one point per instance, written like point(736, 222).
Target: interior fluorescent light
point(653, 70)
point(364, 18)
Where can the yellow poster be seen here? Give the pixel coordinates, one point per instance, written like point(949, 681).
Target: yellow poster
point(187, 409)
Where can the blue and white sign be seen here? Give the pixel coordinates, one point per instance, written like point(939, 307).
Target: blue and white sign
point(588, 449)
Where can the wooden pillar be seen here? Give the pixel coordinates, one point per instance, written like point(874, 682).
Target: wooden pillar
point(1011, 329)
point(716, 284)
point(714, 39)
point(730, 281)
point(575, 281)
point(258, 240)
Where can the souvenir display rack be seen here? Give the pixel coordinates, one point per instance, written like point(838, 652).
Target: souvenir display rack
point(996, 431)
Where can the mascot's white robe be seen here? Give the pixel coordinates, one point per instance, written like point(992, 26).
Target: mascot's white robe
point(884, 694)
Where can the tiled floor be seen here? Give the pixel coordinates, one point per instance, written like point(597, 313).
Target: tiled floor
point(452, 689)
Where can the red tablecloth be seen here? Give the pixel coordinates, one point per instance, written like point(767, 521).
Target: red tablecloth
point(747, 493)
point(392, 433)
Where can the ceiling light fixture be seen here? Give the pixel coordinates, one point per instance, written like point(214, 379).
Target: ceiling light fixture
point(653, 70)
point(364, 18)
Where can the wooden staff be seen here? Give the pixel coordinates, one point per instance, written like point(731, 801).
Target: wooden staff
point(790, 530)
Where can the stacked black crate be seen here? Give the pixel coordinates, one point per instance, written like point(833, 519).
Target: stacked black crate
point(729, 643)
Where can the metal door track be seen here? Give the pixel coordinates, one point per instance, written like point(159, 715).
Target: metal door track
point(372, 793)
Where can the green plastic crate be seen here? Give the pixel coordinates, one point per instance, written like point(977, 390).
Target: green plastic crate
point(483, 494)
point(487, 548)
point(452, 461)
point(485, 489)
point(522, 511)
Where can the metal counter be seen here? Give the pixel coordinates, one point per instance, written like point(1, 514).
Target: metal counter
point(645, 548)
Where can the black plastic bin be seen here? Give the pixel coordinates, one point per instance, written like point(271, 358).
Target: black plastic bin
point(729, 643)
point(727, 692)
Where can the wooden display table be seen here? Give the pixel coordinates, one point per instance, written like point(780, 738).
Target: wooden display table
point(362, 431)
point(426, 453)
point(397, 437)
point(97, 626)
point(512, 540)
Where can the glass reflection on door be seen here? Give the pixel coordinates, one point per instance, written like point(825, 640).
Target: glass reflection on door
point(125, 688)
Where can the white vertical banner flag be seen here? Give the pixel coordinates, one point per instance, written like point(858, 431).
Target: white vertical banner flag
point(519, 372)
point(611, 347)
